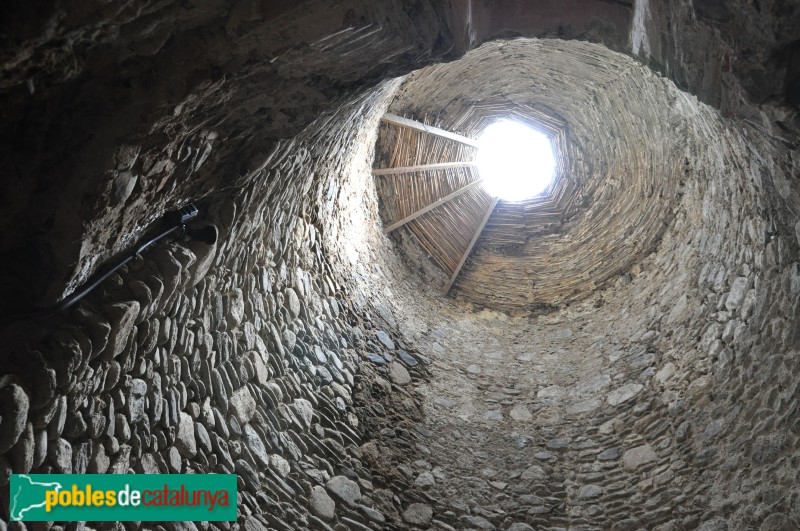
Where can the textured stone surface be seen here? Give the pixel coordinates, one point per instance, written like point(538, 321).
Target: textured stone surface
point(243, 404)
point(185, 440)
point(344, 489)
point(399, 374)
point(418, 514)
point(14, 404)
point(623, 394)
point(321, 504)
point(268, 116)
point(636, 457)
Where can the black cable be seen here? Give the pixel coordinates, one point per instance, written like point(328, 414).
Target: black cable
point(78, 295)
point(176, 218)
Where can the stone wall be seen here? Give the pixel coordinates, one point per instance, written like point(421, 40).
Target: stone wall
point(662, 402)
point(303, 354)
point(230, 358)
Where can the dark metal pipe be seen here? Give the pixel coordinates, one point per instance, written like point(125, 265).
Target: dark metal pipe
point(176, 219)
point(78, 295)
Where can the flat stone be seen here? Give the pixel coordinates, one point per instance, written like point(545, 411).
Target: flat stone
point(585, 406)
point(737, 293)
point(418, 514)
point(425, 480)
point(99, 462)
point(372, 514)
point(60, 453)
point(75, 425)
point(122, 460)
point(797, 231)
point(255, 444)
point(21, 454)
point(593, 385)
point(520, 526)
point(407, 358)
point(148, 465)
point(320, 504)
point(202, 438)
point(590, 491)
point(680, 311)
point(477, 522)
point(304, 411)
point(398, 374)
point(534, 472)
point(204, 259)
point(174, 460)
point(289, 339)
point(521, 413)
point(376, 359)
point(122, 317)
point(666, 372)
point(80, 457)
point(344, 489)
point(137, 397)
point(444, 402)
point(14, 406)
point(40, 450)
point(293, 302)
point(185, 441)
point(248, 475)
point(558, 443)
point(252, 523)
point(121, 427)
point(609, 455)
point(623, 394)
point(636, 457)
point(235, 308)
point(551, 392)
point(279, 465)
point(45, 388)
point(386, 314)
point(385, 340)
point(494, 414)
point(243, 404)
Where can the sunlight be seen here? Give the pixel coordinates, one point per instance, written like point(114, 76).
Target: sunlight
point(515, 161)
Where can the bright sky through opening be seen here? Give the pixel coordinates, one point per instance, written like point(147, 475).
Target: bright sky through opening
point(515, 161)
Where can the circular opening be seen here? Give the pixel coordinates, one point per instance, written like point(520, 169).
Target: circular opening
point(515, 161)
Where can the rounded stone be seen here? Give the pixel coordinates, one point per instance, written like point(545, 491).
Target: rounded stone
point(636, 457)
point(418, 514)
point(344, 489)
point(398, 374)
point(320, 504)
point(14, 405)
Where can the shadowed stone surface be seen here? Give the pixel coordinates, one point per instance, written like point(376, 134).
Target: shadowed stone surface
point(638, 372)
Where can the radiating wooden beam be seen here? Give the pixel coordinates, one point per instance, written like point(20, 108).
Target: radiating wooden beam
point(430, 207)
point(419, 126)
point(423, 167)
point(471, 244)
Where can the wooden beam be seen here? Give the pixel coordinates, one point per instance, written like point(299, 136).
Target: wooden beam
point(431, 130)
point(471, 244)
point(423, 167)
point(430, 207)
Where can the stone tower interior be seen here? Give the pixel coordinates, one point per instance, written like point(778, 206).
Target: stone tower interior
point(629, 363)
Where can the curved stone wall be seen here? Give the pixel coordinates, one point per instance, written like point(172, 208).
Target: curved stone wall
point(301, 352)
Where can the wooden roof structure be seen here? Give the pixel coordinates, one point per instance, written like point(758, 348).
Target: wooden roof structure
point(429, 185)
